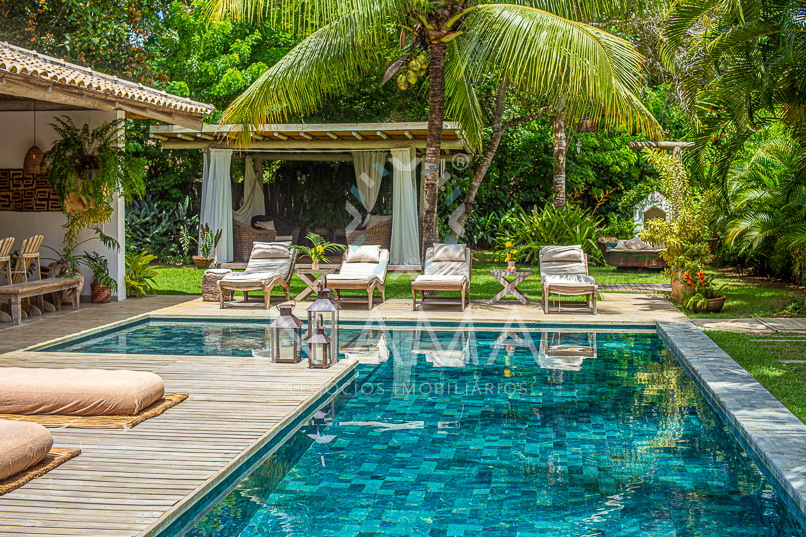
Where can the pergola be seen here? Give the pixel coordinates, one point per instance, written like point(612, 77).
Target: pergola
point(373, 142)
point(35, 88)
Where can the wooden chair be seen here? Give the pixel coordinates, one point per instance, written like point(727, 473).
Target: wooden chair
point(5, 258)
point(29, 255)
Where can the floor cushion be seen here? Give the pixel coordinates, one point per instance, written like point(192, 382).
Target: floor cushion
point(22, 445)
point(77, 392)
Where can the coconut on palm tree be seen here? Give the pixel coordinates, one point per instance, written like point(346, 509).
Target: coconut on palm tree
point(576, 67)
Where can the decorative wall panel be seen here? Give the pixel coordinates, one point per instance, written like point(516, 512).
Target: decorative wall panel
point(26, 192)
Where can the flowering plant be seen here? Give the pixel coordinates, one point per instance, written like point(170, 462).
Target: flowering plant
point(511, 253)
point(320, 247)
point(704, 288)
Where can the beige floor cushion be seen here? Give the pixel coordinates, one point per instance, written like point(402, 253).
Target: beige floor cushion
point(78, 392)
point(22, 445)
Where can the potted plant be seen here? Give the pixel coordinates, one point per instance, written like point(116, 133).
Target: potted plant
point(207, 243)
point(685, 228)
point(511, 256)
point(318, 252)
point(103, 285)
point(706, 295)
point(67, 263)
point(88, 168)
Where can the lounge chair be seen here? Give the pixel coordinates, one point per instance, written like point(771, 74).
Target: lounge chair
point(362, 267)
point(270, 264)
point(22, 445)
point(77, 392)
point(447, 268)
point(564, 272)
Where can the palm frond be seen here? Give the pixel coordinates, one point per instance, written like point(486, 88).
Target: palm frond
point(461, 102)
point(584, 70)
point(322, 65)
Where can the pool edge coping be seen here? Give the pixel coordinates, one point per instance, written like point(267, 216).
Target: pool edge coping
point(770, 433)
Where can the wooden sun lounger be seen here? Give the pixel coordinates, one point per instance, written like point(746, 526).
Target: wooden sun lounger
point(17, 292)
point(441, 268)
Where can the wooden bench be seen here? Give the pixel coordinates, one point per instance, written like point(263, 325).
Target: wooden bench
point(16, 292)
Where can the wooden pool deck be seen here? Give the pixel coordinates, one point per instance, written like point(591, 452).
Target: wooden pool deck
point(136, 482)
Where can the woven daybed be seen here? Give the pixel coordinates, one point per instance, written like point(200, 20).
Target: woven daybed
point(270, 264)
point(77, 392)
point(379, 234)
point(22, 445)
point(244, 236)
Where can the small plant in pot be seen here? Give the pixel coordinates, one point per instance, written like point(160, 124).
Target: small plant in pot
point(318, 252)
point(707, 296)
point(207, 243)
point(511, 256)
point(103, 285)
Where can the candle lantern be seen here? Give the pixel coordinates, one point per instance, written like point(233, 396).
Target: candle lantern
point(286, 337)
point(319, 348)
point(325, 307)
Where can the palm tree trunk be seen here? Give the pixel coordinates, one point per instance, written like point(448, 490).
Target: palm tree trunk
point(436, 114)
point(560, 150)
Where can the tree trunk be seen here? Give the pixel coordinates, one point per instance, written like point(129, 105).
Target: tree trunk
point(560, 150)
point(436, 115)
point(486, 159)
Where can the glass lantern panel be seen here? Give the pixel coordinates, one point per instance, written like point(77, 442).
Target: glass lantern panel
point(285, 344)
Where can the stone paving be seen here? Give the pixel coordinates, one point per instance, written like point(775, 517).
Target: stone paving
point(767, 325)
point(766, 428)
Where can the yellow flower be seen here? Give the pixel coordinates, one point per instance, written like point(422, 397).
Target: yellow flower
point(514, 252)
point(508, 258)
point(508, 244)
point(320, 248)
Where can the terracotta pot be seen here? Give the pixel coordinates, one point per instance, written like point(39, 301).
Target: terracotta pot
point(202, 262)
point(510, 266)
point(680, 289)
point(315, 264)
point(101, 294)
point(714, 305)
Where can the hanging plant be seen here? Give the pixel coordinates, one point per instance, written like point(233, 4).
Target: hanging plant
point(88, 168)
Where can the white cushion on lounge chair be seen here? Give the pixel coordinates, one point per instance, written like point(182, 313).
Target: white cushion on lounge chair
point(568, 278)
point(367, 253)
point(270, 250)
point(448, 278)
point(260, 270)
point(449, 252)
point(568, 254)
point(363, 271)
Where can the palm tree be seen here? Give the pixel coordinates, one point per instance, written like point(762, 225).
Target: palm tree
point(591, 72)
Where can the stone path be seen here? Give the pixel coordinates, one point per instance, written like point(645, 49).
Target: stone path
point(766, 325)
point(637, 287)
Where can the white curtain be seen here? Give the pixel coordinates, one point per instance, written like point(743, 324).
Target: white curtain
point(253, 202)
point(216, 205)
point(405, 247)
point(368, 175)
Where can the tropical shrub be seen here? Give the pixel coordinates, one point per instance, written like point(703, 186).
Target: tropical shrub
point(704, 288)
point(685, 228)
point(152, 228)
point(621, 228)
point(207, 243)
point(140, 274)
point(529, 231)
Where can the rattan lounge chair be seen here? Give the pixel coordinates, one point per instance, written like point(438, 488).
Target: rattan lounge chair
point(444, 271)
point(564, 272)
point(270, 264)
point(358, 273)
point(244, 236)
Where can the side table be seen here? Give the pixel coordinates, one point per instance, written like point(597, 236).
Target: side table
point(309, 277)
point(510, 287)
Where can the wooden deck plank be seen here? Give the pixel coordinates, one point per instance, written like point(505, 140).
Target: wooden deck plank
point(131, 480)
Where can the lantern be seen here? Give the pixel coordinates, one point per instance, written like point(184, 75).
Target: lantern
point(33, 162)
point(320, 348)
point(325, 306)
point(286, 337)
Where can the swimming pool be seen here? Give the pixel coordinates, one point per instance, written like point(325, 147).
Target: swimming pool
point(491, 433)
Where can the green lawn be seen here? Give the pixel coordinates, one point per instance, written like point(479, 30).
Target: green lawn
point(787, 382)
point(186, 280)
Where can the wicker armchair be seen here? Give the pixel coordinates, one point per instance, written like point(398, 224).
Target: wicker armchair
point(282, 229)
point(380, 235)
point(243, 236)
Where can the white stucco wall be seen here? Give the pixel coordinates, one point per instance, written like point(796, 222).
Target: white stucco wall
point(17, 136)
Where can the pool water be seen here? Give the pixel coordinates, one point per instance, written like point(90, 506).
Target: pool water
point(491, 433)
